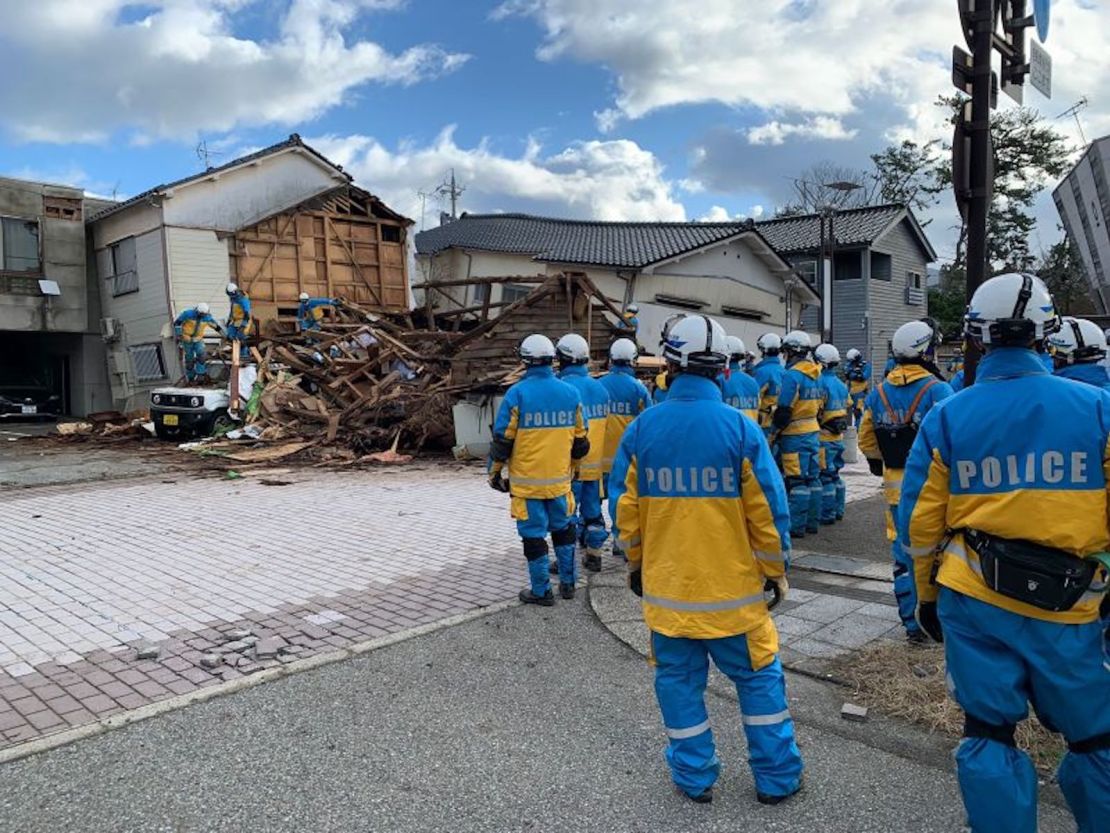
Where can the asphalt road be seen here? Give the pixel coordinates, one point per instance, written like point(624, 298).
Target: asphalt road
point(526, 720)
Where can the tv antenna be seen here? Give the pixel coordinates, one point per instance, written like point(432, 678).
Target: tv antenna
point(1074, 112)
point(205, 155)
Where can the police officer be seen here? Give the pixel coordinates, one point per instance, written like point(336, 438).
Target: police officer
point(632, 319)
point(891, 417)
point(833, 419)
point(189, 328)
point(662, 380)
point(739, 389)
point(702, 515)
point(768, 373)
point(310, 311)
point(798, 434)
point(1078, 349)
point(956, 363)
point(1006, 488)
point(858, 374)
point(238, 319)
point(628, 398)
point(539, 434)
point(574, 357)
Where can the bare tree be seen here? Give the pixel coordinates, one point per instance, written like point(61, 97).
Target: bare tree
point(826, 185)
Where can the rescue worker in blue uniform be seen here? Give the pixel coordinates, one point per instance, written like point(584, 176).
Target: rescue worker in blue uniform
point(1078, 349)
point(662, 380)
point(239, 319)
point(956, 363)
point(189, 328)
point(833, 419)
point(701, 512)
point(573, 354)
point(891, 417)
point(310, 311)
point(768, 372)
point(858, 374)
point(1005, 516)
point(798, 434)
point(632, 320)
point(539, 435)
point(957, 381)
point(740, 390)
point(628, 398)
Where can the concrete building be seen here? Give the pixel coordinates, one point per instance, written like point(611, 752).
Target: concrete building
point(726, 270)
point(49, 303)
point(1083, 201)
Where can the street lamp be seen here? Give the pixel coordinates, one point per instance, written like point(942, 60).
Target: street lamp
point(828, 211)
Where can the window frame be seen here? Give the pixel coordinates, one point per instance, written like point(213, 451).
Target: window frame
point(156, 348)
point(889, 278)
point(26, 273)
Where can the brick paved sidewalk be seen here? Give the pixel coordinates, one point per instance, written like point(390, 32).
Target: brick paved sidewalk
point(90, 574)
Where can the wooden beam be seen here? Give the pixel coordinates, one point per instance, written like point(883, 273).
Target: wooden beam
point(354, 262)
point(475, 281)
point(532, 297)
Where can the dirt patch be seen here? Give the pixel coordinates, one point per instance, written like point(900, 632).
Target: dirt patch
point(908, 682)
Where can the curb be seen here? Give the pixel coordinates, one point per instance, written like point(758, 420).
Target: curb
point(118, 721)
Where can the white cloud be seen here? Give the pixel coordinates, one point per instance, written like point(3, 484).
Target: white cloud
point(756, 212)
point(605, 180)
point(716, 214)
point(819, 127)
point(182, 68)
point(607, 119)
point(691, 186)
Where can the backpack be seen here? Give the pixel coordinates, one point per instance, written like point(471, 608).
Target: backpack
point(896, 440)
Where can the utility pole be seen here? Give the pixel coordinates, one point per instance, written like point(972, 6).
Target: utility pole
point(452, 190)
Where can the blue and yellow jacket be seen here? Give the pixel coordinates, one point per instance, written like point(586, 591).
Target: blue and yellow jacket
point(858, 375)
point(240, 314)
point(1088, 374)
point(700, 507)
point(628, 398)
point(659, 394)
point(902, 386)
point(595, 410)
point(1021, 455)
point(537, 425)
point(631, 322)
point(311, 312)
point(802, 394)
point(740, 391)
point(190, 325)
point(834, 404)
point(957, 381)
point(768, 373)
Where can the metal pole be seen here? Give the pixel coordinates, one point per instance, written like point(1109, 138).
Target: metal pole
point(825, 300)
point(830, 337)
point(979, 164)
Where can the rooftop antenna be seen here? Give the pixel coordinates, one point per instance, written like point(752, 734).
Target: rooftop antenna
point(205, 155)
point(451, 189)
point(1074, 112)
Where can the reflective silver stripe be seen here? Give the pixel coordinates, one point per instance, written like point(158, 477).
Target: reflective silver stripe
point(765, 719)
point(915, 552)
point(692, 732)
point(627, 545)
point(779, 557)
point(958, 551)
point(589, 466)
point(726, 604)
point(539, 481)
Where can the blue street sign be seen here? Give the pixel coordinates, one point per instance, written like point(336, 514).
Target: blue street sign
point(1041, 14)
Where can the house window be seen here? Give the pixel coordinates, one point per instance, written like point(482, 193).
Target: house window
point(148, 362)
point(391, 234)
point(679, 301)
point(19, 245)
point(847, 266)
point(61, 208)
point(882, 267)
point(512, 292)
point(915, 280)
point(478, 293)
point(124, 277)
point(807, 269)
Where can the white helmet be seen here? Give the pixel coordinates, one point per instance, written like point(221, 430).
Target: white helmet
point(670, 322)
point(796, 343)
point(203, 308)
point(572, 349)
point(827, 355)
point(232, 288)
point(623, 351)
point(853, 354)
point(913, 340)
point(697, 344)
point(632, 308)
point(769, 344)
point(1013, 310)
point(736, 348)
point(536, 350)
point(303, 296)
point(1078, 341)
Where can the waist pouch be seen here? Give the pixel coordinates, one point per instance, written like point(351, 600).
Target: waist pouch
point(1043, 577)
point(895, 442)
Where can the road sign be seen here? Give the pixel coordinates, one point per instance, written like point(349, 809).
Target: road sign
point(1040, 69)
point(962, 75)
point(1041, 11)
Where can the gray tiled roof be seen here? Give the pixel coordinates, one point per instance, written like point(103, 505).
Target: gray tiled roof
point(635, 245)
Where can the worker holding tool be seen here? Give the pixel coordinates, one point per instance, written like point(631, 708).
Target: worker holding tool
point(239, 319)
point(798, 434)
point(1078, 349)
point(628, 398)
point(740, 390)
point(1005, 516)
point(189, 328)
point(892, 415)
point(310, 312)
point(768, 375)
point(701, 514)
point(539, 434)
point(833, 419)
point(573, 356)
point(858, 374)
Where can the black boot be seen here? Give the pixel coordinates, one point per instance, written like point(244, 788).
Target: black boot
point(553, 567)
point(530, 598)
point(566, 590)
point(702, 798)
point(772, 800)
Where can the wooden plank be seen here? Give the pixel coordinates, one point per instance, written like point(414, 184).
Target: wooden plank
point(354, 262)
point(472, 281)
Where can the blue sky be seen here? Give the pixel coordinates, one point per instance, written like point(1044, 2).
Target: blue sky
point(586, 108)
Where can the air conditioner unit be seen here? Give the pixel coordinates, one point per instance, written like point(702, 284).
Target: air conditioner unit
point(109, 329)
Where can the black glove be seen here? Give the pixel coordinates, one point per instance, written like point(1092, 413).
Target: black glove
point(635, 582)
point(929, 622)
point(876, 467)
point(497, 483)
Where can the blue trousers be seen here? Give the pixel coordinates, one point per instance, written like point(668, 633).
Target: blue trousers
point(801, 469)
point(195, 364)
point(904, 591)
point(681, 672)
point(856, 405)
point(833, 490)
point(588, 517)
point(998, 662)
point(535, 518)
point(238, 335)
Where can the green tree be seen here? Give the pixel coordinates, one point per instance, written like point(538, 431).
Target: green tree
point(1062, 271)
point(948, 301)
point(911, 174)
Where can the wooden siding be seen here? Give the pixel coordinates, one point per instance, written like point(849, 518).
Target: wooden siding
point(889, 309)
